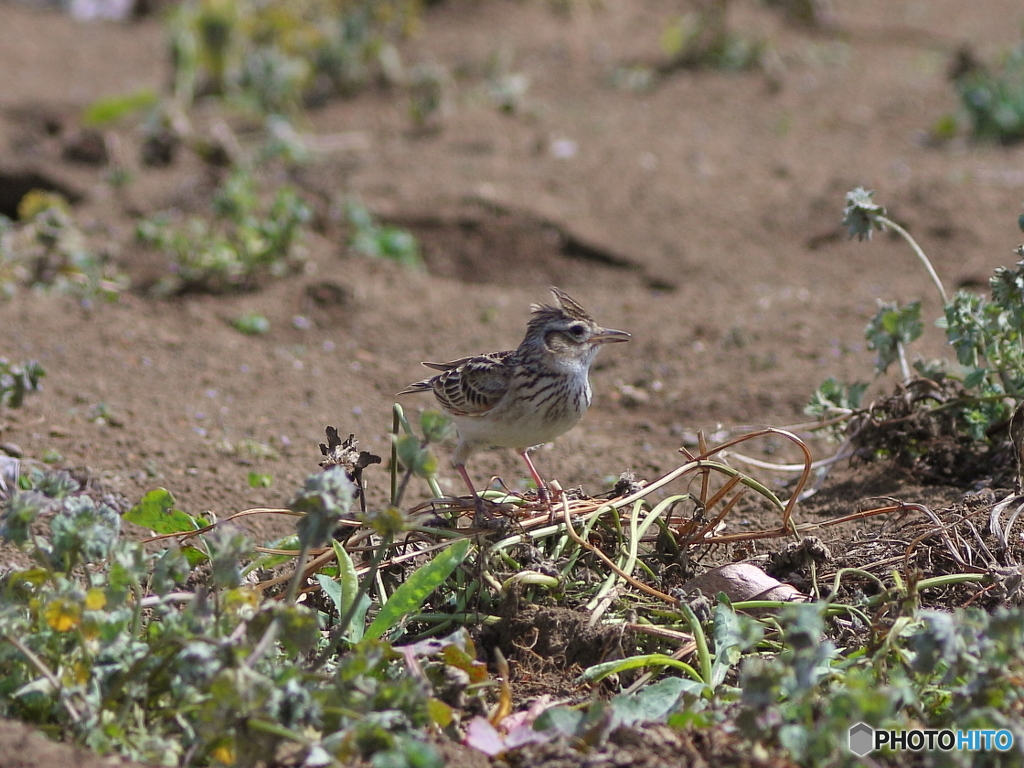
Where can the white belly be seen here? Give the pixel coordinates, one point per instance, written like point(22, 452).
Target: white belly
point(521, 422)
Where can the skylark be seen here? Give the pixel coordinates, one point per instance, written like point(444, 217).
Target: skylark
point(526, 396)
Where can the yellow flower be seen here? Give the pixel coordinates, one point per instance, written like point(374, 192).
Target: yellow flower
point(223, 753)
point(62, 614)
point(95, 599)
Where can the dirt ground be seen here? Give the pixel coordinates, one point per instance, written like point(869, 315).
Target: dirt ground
point(703, 215)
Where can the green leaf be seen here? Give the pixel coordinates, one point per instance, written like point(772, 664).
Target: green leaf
point(834, 395)
point(260, 480)
point(732, 636)
point(172, 567)
point(269, 561)
point(299, 631)
point(228, 545)
point(559, 719)
point(325, 499)
point(157, 513)
point(890, 327)
point(357, 627)
point(414, 457)
point(332, 589)
point(435, 426)
point(348, 580)
point(964, 322)
point(417, 588)
point(599, 672)
point(860, 216)
point(251, 324)
point(83, 528)
point(381, 242)
point(653, 703)
point(730, 640)
point(408, 752)
point(112, 108)
point(19, 512)
point(975, 378)
point(194, 555)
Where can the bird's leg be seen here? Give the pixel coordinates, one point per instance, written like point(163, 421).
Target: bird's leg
point(480, 517)
point(542, 490)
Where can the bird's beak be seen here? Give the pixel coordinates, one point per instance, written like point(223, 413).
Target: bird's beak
point(609, 335)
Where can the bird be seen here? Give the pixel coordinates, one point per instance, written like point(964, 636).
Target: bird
point(522, 397)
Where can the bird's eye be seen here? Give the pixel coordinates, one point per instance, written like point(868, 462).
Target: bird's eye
point(577, 331)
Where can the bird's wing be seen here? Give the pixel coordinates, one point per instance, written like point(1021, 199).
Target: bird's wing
point(456, 363)
point(470, 386)
point(475, 385)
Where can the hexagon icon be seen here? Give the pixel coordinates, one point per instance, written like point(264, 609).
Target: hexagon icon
point(862, 739)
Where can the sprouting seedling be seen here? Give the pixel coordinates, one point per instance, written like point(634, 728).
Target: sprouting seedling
point(413, 453)
point(18, 380)
point(862, 216)
point(378, 241)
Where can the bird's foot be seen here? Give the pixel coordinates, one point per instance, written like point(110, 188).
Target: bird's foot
point(544, 496)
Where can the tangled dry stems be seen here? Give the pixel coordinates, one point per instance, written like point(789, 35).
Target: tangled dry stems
point(916, 537)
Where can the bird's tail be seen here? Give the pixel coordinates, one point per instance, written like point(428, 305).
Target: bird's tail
point(419, 386)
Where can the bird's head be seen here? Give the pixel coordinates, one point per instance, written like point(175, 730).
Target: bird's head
point(567, 331)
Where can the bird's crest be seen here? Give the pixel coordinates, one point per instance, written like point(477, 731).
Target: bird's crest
point(566, 306)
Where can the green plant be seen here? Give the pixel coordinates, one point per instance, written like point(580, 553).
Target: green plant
point(703, 39)
point(260, 479)
point(925, 669)
point(245, 242)
point(986, 333)
point(426, 86)
point(273, 56)
point(17, 380)
point(98, 639)
point(890, 331)
point(47, 250)
point(251, 324)
point(184, 652)
point(834, 398)
point(110, 109)
point(993, 99)
point(381, 242)
point(788, 687)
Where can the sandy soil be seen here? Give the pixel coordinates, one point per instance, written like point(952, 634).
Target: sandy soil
point(702, 215)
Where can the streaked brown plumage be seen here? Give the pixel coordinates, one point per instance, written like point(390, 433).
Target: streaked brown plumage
point(522, 397)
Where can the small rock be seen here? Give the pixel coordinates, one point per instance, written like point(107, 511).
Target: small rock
point(632, 396)
point(11, 449)
point(159, 149)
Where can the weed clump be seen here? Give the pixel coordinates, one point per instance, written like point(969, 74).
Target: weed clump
point(245, 242)
point(48, 250)
point(381, 241)
point(992, 98)
point(17, 380)
point(275, 57)
point(966, 404)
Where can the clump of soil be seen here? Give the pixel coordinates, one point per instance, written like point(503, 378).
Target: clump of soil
point(917, 430)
